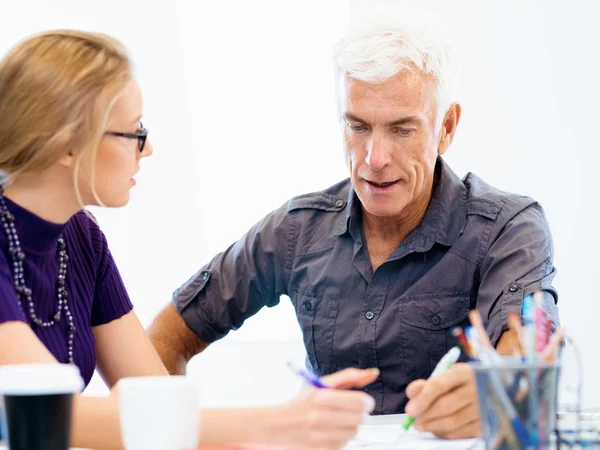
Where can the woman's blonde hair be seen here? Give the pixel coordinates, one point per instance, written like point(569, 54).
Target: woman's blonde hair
point(57, 89)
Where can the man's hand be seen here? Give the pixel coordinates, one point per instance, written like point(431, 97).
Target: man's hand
point(446, 405)
point(509, 344)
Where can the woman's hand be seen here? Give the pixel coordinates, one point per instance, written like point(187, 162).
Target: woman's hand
point(327, 418)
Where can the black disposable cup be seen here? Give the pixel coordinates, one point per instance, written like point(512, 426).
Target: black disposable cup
point(37, 404)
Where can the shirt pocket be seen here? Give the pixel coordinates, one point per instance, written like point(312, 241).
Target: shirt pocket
point(424, 334)
point(317, 318)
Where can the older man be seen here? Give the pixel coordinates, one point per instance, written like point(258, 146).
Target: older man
point(381, 265)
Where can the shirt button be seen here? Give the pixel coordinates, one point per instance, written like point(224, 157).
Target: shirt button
point(435, 320)
point(369, 315)
point(339, 203)
point(513, 287)
point(308, 305)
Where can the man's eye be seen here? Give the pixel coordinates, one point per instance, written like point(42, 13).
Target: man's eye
point(357, 128)
point(405, 131)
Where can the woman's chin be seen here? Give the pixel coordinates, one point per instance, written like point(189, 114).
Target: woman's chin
point(119, 202)
point(116, 201)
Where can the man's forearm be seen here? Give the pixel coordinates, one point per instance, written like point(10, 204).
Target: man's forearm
point(174, 361)
point(175, 343)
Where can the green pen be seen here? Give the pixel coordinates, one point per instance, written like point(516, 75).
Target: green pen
point(445, 363)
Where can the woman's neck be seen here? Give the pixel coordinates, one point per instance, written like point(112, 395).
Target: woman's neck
point(53, 202)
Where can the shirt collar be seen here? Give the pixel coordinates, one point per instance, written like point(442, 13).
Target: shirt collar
point(444, 219)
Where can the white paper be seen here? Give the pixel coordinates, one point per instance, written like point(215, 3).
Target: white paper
point(386, 435)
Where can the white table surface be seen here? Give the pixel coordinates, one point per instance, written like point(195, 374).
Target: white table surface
point(377, 431)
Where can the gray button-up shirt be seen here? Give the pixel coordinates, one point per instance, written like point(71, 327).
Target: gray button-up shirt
point(477, 247)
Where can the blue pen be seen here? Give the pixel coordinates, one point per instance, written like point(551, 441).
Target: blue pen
point(528, 313)
point(310, 378)
point(488, 358)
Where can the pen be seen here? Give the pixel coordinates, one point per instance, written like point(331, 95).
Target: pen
point(311, 379)
point(461, 337)
point(540, 344)
point(445, 363)
point(474, 345)
point(514, 323)
point(528, 313)
point(515, 421)
point(489, 358)
point(541, 339)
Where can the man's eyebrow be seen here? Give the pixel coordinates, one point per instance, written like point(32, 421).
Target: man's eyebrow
point(353, 118)
point(401, 121)
point(405, 121)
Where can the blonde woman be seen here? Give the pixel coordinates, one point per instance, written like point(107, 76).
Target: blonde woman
point(71, 135)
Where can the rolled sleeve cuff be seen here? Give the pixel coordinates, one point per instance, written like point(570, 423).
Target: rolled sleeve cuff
point(188, 301)
point(512, 302)
point(197, 321)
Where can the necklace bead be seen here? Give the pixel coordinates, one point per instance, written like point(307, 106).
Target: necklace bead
point(24, 293)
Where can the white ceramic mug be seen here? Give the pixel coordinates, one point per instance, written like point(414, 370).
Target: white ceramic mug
point(159, 413)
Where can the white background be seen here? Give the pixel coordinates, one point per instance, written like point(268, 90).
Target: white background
point(240, 106)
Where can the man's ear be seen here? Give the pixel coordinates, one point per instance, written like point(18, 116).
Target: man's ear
point(449, 127)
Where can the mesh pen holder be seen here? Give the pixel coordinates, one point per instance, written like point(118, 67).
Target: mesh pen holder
point(517, 402)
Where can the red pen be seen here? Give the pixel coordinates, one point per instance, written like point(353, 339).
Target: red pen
point(541, 336)
point(461, 337)
point(548, 330)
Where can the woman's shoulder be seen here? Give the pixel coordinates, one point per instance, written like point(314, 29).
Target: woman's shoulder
point(84, 218)
point(84, 234)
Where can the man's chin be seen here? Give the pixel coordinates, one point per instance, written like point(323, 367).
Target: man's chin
point(377, 209)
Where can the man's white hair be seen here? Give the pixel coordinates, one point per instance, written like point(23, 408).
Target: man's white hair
point(383, 42)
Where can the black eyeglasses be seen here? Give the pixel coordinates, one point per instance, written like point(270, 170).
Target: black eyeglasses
point(140, 136)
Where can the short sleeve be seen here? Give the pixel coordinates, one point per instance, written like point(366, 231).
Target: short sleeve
point(111, 300)
point(240, 281)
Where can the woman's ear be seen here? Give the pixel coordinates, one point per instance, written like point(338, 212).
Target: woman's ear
point(67, 160)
